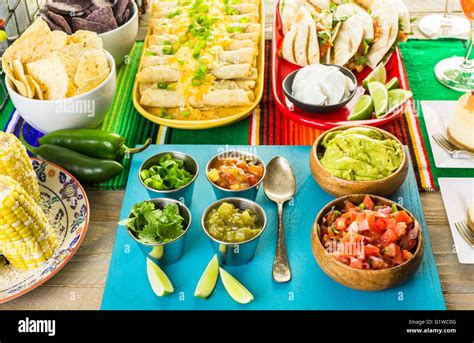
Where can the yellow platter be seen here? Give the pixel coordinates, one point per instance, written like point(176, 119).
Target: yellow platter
point(227, 115)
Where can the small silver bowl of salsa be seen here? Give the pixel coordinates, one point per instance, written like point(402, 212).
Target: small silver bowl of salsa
point(234, 227)
point(235, 174)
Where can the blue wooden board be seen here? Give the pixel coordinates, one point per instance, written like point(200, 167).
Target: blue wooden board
point(310, 289)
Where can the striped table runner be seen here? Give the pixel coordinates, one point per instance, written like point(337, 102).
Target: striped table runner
point(265, 126)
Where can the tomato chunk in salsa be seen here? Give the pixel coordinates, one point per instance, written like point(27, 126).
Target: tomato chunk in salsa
point(235, 173)
point(369, 235)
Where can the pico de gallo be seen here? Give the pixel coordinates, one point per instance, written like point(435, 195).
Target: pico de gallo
point(236, 173)
point(369, 235)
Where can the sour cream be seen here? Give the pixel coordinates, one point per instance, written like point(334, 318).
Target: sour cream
point(318, 84)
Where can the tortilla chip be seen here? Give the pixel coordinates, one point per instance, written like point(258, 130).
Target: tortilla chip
point(26, 48)
point(83, 24)
point(70, 56)
point(93, 63)
point(52, 25)
point(59, 21)
point(38, 92)
point(72, 90)
point(92, 83)
point(19, 74)
point(87, 39)
point(51, 75)
point(103, 15)
point(19, 86)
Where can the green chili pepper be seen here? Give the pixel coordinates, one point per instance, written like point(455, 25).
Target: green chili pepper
point(93, 143)
point(83, 167)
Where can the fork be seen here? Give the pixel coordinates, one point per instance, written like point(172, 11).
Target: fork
point(447, 146)
point(465, 232)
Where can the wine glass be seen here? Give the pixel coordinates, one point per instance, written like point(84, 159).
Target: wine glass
point(458, 72)
point(444, 25)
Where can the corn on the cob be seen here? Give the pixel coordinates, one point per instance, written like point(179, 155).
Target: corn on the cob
point(14, 162)
point(25, 235)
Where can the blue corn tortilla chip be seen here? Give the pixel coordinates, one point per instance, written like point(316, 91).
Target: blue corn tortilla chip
point(60, 21)
point(83, 24)
point(103, 15)
point(53, 26)
point(119, 10)
point(69, 8)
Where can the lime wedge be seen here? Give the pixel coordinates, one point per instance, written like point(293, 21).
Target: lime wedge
point(393, 84)
point(208, 279)
point(396, 98)
point(363, 109)
point(159, 282)
point(379, 74)
point(235, 289)
point(3, 35)
point(379, 95)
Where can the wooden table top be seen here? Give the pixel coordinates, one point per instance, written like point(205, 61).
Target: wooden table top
point(80, 285)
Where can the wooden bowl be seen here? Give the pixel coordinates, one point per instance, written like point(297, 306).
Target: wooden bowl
point(339, 187)
point(360, 279)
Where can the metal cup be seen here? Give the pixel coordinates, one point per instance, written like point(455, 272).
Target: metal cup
point(235, 254)
point(248, 193)
point(183, 194)
point(166, 253)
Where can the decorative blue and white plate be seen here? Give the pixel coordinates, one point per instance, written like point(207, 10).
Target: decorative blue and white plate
point(65, 203)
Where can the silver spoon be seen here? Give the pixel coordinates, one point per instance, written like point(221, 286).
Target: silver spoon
point(279, 186)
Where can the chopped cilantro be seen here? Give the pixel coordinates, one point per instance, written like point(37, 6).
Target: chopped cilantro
point(154, 225)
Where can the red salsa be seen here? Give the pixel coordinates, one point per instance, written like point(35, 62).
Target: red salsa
point(235, 173)
point(369, 235)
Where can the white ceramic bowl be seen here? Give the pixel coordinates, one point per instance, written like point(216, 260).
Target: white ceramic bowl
point(82, 111)
point(120, 41)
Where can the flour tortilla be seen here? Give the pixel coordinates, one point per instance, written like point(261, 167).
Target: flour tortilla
point(300, 45)
point(389, 32)
point(399, 7)
point(348, 41)
point(348, 10)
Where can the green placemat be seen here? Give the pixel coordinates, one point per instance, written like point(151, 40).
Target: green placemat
point(420, 58)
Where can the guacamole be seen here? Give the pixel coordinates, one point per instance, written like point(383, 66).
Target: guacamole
point(360, 154)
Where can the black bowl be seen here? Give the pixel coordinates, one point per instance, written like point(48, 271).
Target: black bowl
point(288, 85)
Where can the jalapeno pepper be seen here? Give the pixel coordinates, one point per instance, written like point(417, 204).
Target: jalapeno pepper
point(85, 168)
point(95, 143)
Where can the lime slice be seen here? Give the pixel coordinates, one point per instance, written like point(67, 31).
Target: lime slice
point(393, 84)
point(235, 289)
point(157, 252)
point(396, 98)
point(379, 95)
point(159, 282)
point(379, 74)
point(363, 109)
point(208, 279)
point(3, 35)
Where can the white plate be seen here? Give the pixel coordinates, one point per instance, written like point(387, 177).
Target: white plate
point(437, 114)
point(65, 203)
point(457, 195)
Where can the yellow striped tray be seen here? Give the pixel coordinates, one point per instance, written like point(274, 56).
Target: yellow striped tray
point(227, 116)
